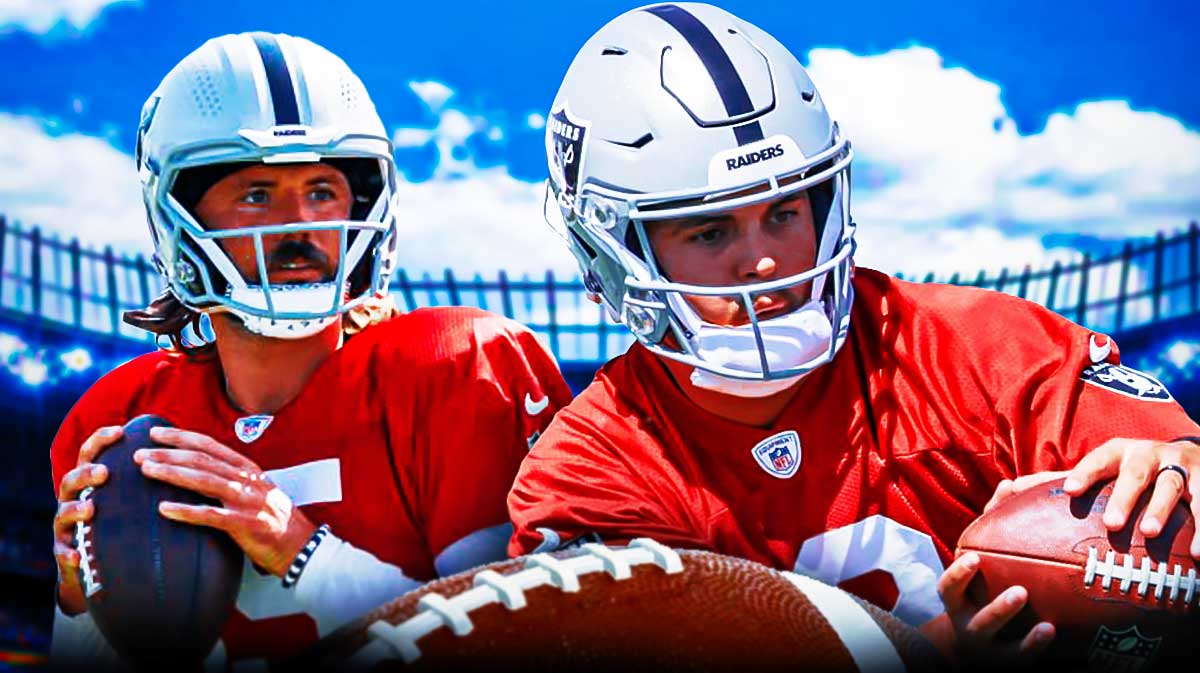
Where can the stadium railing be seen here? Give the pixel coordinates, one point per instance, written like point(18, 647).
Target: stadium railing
point(43, 278)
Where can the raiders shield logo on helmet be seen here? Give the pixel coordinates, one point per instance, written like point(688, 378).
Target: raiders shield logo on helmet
point(566, 142)
point(1126, 381)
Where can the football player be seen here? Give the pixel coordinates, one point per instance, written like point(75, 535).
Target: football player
point(779, 405)
point(268, 181)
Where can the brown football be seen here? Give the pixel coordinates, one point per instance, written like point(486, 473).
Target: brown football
point(640, 607)
point(1118, 601)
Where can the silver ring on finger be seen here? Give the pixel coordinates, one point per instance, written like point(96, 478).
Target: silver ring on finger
point(1177, 469)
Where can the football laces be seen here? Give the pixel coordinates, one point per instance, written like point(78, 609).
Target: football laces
point(389, 641)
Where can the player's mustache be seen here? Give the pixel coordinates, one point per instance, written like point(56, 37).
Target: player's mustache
point(294, 250)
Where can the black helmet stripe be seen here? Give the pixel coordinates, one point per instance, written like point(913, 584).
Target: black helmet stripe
point(279, 79)
point(720, 68)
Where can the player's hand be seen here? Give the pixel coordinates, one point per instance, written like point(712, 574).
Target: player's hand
point(253, 511)
point(1010, 487)
point(975, 626)
point(1139, 464)
point(71, 511)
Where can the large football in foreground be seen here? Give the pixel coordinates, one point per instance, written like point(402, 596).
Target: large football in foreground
point(159, 591)
point(641, 607)
point(1118, 600)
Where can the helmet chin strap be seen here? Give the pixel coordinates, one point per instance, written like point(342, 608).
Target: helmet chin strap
point(788, 341)
point(313, 297)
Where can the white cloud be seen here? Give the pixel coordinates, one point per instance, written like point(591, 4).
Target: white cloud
point(944, 181)
point(71, 185)
point(433, 94)
point(40, 16)
point(484, 223)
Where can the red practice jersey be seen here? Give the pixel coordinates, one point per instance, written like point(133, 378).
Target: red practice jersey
point(877, 464)
point(403, 441)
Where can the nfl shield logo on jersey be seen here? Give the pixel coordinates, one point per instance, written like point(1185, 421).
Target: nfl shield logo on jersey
point(1126, 650)
point(251, 428)
point(779, 454)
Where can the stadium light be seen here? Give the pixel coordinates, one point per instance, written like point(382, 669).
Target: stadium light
point(76, 360)
point(10, 345)
point(1182, 353)
point(32, 371)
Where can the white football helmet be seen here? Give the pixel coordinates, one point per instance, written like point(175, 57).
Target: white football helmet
point(274, 99)
point(676, 110)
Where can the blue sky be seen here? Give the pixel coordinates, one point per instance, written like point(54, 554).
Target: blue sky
point(991, 132)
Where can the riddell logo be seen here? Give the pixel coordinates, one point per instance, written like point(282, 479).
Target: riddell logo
point(289, 132)
point(754, 157)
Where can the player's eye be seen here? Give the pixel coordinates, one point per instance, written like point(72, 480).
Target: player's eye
point(323, 193)
point(783, 216)
point(256, 196)
point(710, 235)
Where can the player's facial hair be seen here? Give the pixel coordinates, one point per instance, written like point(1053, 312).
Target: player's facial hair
point(295, 249)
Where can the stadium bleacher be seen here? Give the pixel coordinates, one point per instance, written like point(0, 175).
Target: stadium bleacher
point(60, 329)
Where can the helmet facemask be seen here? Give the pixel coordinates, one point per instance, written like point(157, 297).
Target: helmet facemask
point(261, 99)
point(204, 276)
point(607, 233)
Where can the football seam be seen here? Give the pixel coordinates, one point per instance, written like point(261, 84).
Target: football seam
point(1144, 574)
point(386, 641)
point(83, 544)
point(1129, 572)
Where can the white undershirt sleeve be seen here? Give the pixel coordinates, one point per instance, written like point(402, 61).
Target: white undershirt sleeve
point(341, 583)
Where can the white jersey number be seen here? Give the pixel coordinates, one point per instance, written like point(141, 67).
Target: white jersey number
point(879, 543)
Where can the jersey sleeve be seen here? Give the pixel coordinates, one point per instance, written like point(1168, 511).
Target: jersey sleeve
point(578, 485)
point(484, 405)
point(1067, 393)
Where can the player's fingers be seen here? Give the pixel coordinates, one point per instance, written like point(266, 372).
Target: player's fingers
point(993, 616)
point(1136, 473)
point(97, 442)
point(197, 460)
point(1169, 487)
point(70, 513)
point(200, 515)
point(1099, 464)
point(1003, 490)
point(80, 477)
point(1195, 507)
point(952, 585)
point(186, 439)
point(1028, 481)
point(228, 491)
point(67, 558)
point(1036, 641)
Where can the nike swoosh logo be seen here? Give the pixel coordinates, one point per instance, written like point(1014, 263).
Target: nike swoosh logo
point(534, 408)
point(1097, 352)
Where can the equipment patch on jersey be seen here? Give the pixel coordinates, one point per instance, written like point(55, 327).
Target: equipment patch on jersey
point(779, 454)
point(1126, 381)
point(250, 428)
point(566, 141)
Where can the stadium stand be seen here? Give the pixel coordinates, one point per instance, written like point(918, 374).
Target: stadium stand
point(60, 329)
